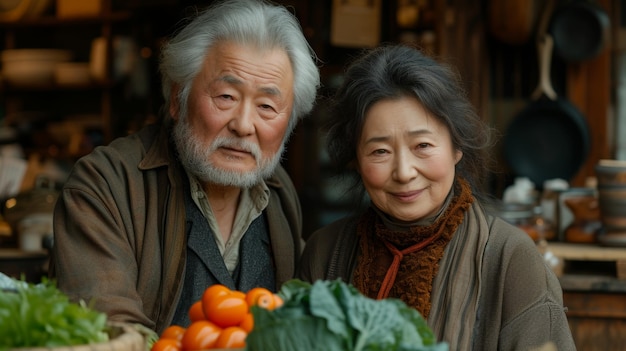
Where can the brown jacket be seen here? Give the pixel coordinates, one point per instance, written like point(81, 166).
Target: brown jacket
point(119, 229)
point(519, 299)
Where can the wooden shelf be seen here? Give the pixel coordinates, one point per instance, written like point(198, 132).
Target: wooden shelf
point(52, 21)
point(591, 259)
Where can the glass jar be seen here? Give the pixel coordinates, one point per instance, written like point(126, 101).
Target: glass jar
point(528, 218)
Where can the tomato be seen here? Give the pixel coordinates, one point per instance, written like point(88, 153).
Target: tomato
point(226, 310)
point(200, 335)
point(239, 294)
point(247, 323)
point(261, 297)
point(174, 332)
point(231, 337)
point(214, 291)
point(278, 301)
point(196, 312)
point(166, 345)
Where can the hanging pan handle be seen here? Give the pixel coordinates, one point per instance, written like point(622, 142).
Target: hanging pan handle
point(544, 53)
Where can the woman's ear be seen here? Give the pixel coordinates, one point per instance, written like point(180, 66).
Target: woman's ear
point(174, 103)
point(458, 156)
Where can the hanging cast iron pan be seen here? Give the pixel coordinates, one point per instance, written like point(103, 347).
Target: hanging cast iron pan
point(550, 137)
point(580, 30)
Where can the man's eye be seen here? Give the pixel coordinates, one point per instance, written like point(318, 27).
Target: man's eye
point(267, 107)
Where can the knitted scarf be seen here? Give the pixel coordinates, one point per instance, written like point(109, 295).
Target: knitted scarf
point(402, 264)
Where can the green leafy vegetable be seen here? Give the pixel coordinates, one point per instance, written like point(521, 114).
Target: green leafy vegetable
point(333, 315)
point(40, 315)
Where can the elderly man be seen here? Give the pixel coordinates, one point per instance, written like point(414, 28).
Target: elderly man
point(144, 225)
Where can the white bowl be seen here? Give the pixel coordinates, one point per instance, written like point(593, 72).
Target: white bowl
point(58, 55)
point(31, 67)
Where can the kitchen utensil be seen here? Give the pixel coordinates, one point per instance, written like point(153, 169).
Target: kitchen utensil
point(549, 138)
point(580, 29)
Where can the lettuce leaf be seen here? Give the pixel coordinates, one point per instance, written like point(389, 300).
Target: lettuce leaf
point(40, 315)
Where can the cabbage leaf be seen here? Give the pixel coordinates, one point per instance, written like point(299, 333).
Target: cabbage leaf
point(333, 315)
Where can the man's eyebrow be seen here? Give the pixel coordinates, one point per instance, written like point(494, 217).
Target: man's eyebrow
point(273, 91)
point(230, 80)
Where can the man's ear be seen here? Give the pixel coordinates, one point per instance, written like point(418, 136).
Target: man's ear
point(174, 103)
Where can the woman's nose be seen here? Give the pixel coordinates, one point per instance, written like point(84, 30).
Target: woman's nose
point(405, 167)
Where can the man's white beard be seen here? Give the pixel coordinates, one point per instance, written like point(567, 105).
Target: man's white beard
point(195, 158)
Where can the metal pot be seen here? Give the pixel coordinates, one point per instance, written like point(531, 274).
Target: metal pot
point(580, 29)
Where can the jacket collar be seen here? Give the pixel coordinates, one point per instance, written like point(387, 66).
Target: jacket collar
point(160, 148)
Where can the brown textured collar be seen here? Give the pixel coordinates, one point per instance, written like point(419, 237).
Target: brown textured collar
point(402, 264)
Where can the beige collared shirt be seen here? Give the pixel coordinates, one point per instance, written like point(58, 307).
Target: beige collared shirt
point(252, 202)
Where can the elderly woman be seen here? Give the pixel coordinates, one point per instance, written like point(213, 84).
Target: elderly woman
point(402, 125)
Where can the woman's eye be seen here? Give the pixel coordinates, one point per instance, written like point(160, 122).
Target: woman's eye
point(379, 152)
point(423, 145)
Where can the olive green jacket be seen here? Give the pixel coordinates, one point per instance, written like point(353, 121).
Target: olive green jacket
point(119, 229)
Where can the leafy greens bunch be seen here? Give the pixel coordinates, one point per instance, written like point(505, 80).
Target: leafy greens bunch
point(40, 315)
point(333, 315)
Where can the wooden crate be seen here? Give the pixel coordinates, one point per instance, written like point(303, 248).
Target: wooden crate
point(589, 258)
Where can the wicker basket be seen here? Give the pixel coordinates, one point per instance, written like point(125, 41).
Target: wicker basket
point(122, 337)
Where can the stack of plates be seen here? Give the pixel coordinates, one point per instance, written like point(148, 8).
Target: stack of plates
point(31, 67)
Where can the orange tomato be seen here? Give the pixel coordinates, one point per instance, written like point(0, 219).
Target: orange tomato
point(174, 332)
point(261, 297)
point(278, 301)
point(231, 337)
point(166, 345)
point(226, 310)
point(196, 312)
point(239, 294)
point(214, 291)
point(247, 323)
point(200, 335)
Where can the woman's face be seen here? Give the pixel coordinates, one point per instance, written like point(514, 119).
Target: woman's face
point(406, 159)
